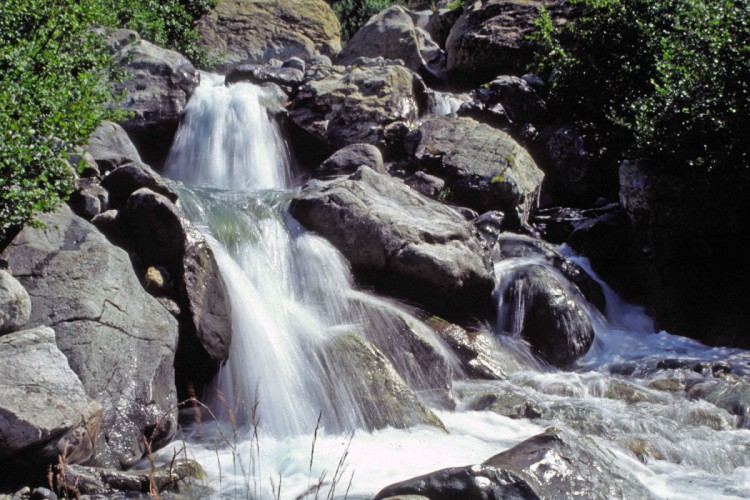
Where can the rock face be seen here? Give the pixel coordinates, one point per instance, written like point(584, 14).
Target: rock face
point(374, 387)
point(555, 464)
point(374, 105)
point(157, 89)
point(15, 304)
point(238, 31)
point(400, 240)
point(393, 35)
point(484, 168)
point(118, 339)
point(490, 38)
point(547, 314)
point(44, 409)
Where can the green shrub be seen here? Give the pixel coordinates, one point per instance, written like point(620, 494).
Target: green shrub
point(53, 93)
point(667, 80)
point(353, 14)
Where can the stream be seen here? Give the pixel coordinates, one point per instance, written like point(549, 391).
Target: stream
point(288, 421)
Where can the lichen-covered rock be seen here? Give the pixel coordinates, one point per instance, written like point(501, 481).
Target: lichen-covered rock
point(44, 410)
point(255, 31)
point(399, 240)
point(371, 104)
point(484, 168)
point(15, 304)
point(117, 338)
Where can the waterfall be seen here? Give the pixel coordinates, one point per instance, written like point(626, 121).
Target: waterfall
point(291, 292)
point(293, 297)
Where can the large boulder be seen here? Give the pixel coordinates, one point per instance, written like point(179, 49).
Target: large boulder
point(15, 304)
point(44, 410)
point(484, 168)
point(399, 240)
point(540, 306)
point(555, 464)
point(128, 178)
point(255, 31)
point(393, 35)
point(375, 393)
point(348, 159)
point(492, 38)
point(157, 88)
point(118, 339)
point(161, 236)
point(367, 104)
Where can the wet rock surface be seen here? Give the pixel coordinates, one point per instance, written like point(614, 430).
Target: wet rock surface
point(400, 240)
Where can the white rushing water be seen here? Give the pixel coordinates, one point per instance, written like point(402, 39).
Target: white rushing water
point(293, 295)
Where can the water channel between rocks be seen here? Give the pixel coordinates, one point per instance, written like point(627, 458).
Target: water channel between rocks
point(299, 321)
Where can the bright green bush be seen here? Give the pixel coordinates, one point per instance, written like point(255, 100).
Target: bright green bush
point(53, 93)
point(353, 14)
point(667, 80)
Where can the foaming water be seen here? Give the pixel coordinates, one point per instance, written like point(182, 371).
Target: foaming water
point(293, 296)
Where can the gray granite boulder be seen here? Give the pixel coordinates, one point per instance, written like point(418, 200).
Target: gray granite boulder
point(401, 241)
point(392, 34)
point(110, 147)
point(484, 168)
point(117, 338)
point(44, 409)
point(364, 104)
point(15, 304)
point(348, 159)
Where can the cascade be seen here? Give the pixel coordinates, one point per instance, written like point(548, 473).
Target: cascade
point(293, 297)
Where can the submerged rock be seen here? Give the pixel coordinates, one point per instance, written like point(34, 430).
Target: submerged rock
point(256, 31)
point(484, 168)
point(544, 311)
point(45, 410)
point(374, 388)
point(555, 464)
point(118, 339)
point(401, 241)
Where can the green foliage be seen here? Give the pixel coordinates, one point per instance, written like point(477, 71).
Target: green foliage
point(54, 73)
point(669, 80)
point(353, 14)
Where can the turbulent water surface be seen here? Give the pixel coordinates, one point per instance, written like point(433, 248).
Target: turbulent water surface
point(285, 424)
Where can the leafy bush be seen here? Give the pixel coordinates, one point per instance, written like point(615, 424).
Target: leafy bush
point(669, 80)
point(353, 14)
point(53, 93)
